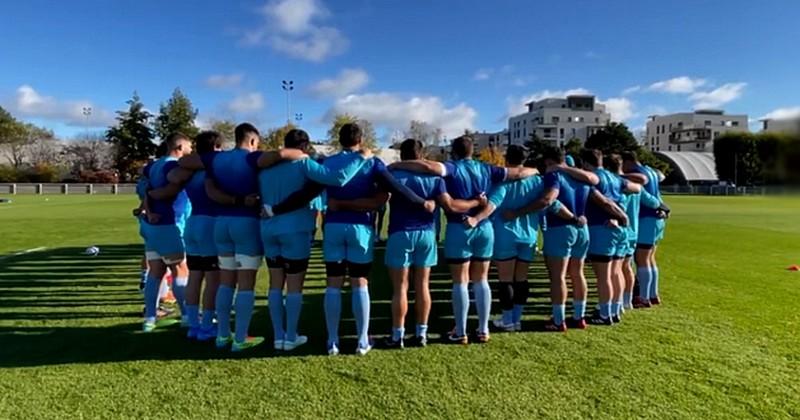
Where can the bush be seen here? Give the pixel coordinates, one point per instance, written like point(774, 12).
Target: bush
point(8, 173)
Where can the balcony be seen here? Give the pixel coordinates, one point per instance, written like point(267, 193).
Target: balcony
point(689, 135)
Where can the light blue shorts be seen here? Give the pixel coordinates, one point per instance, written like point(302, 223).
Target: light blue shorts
point(237, 236)
point(607, 241)
point(560, 241)
point(581, 247)
point(199, 236)
point(345, 242)
point(508, 246)
point(651, 230)
point(163, 240)
point(461, 243)
point(293, 246)
point(412, 248)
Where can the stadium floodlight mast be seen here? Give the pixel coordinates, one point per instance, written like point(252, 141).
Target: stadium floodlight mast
point(298, 117)
point(87, 112)
point(288, 87)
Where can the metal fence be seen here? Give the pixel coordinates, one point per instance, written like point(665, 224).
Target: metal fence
point(68, 189)
point(727, 190)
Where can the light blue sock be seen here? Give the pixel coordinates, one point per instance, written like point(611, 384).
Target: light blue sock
point(620, 307)
point(245, 302)
point(422, 330)
point(558, 314)
point(151, 298)
point(615, 308)
point(483, 304)
point(398, 333)
point(508, 317)
point(193, 313)
point(605, 310)
point(333, 313)
point(360, 306)
point(294, 303)
point(643, 275)
point(179, 291)
point(275, 301)
point(654, 283)
point(223, 303)
point(516, 313)
point(627, 300)
point(460, 307)
point(578, 309)
point(208, 319)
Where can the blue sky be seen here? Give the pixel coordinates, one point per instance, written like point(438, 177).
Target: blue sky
point(454, 64)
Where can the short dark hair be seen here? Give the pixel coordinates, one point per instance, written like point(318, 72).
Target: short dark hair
point(613, 163)
point(462, 147)
point(350, 135)
point(592, 157)
point(243, 130)
point(515, 155)
point(161, 149)
point(410, 149)
point(629, 156)
point(553, 153)
point(296, 139)
point(207, 141)
point(171, 142)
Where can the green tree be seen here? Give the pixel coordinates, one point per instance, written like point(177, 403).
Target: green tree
point(226, 128)
point(10, 128)
point(370, 139)
point(132, 138)
point(613, 138)
point(176, 115)
point(273, 140)
point(573, 146)
point(536, 145)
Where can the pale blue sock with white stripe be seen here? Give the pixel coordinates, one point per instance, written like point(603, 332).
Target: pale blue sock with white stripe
point(558, 314)
point(578, 309)
point(179, 291)
point(654, 283)
point(360, 305)
point(644, 276)
point(275, 302)
point(460, 307)
point(224, 302)
point(151, 298)
point(333, 313)
point(245, 302)
point(294, 304)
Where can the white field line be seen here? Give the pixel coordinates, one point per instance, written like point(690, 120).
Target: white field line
point(18, 253)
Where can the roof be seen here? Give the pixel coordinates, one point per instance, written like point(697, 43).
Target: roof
point(693, 166)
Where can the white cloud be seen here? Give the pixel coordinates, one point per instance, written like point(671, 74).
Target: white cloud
point(631, 90)
point(31, 104)
point(246, 103)
point(483, 74)
point(223, 81)
point(719, 96)
point(621, 109)
point(293, 28)
point(346, 82)
point(682, 84)
point(394, 112)
point(783, 114)
point(516, 105)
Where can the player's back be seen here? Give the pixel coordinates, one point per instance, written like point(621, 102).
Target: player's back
point(466, 179)
point(405, 215)
point(611, 187)
point(632, 208)
point(277, 183)
point(201, 203)
point(518, 194)
point(157, 178)
point(236, 175)
point(569, 195)
point(361, 185)
point(651, 187)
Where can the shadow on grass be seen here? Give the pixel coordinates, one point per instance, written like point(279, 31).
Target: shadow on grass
point(61, 306)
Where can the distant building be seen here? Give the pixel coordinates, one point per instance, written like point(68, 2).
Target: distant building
point(788, 126)
point(483, 140)
point(388, 155)
point(690, 131)
point(558, 120)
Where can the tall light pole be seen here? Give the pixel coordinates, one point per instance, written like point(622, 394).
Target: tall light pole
point(288, 87)
point(298, 117)
point(87, 112)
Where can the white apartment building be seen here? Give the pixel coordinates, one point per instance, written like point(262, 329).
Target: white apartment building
point(690, 131)
point(558, 120)
point(788, 126)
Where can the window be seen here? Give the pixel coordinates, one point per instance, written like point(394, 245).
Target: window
point(524, 122)
point(680, 124)
point(569, 119)
point(555, 120)
point(735, 123)
point(708, 122)
point(573, 132)
point(698, 145)
point(670, 126)
point(670, 148)
point(597, 119)
point(524, 132)
point(561, 132)
point(716, 134)
point(679, 147)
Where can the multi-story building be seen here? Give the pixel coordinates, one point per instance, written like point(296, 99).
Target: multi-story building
point(788, 126)
point(484, 140)
point(690, 131)
point(558, 120)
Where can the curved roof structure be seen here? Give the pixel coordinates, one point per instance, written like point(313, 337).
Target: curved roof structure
point(693, 166)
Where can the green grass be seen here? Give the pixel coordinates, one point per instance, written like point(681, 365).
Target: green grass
point(725, 344)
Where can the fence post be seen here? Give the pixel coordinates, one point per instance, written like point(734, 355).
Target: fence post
point(115, 189)
point(65, 189)
point(39, 189)
point(90, 189)
point(13, 189)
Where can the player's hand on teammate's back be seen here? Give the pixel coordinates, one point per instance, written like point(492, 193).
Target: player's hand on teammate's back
point(612, 223)
point(470, 222)
point(582, 221)
point(483, 200)
point(430, 206)
point(252, 200)
point(366, 153)
point(509, 215)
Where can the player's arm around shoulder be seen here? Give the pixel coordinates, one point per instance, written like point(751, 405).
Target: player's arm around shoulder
point(421, 166)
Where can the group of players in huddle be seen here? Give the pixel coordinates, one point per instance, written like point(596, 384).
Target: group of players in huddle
point(248, 205)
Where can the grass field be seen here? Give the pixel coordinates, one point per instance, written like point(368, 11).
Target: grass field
point(725, 344)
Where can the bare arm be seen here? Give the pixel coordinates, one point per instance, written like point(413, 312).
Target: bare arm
point(638, 178)
point(274, 157)
point(361, 204)
point(421, 166)
point(177, 178)
point(192, 162)
point(219, 196)
point(580, 175)
point(472, 221)
point(513, 174)
point(609, 206)
point(545, 200)
point(451, 205)
point(632, 188)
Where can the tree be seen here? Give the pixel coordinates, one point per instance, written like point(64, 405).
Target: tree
point(10, 128)
point(176, 115)
point(30, 145)
point(573, 146)
point(613, 138)
point(491, 156)
point(370, 139)
point(273, 140)
point(132, 138)
point(536, 146)
point(92, 154)
point(424, 132)
point(226, 128)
